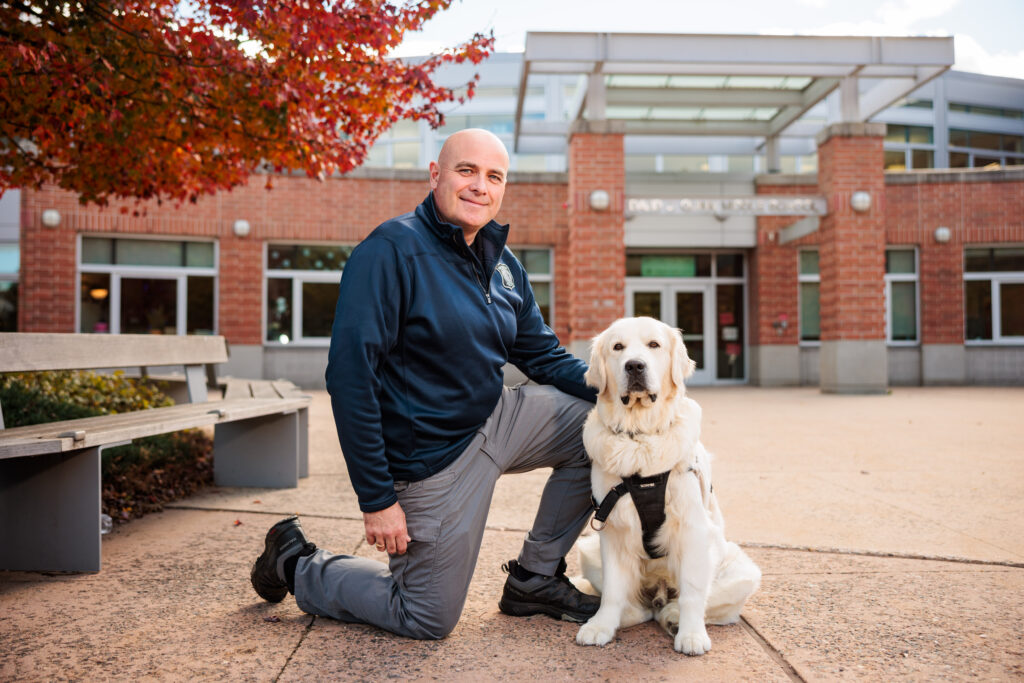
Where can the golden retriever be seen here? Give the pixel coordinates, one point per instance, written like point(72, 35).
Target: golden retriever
point(643, 424)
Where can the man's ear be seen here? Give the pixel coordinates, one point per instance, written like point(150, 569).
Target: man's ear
point(435, 173)
point(682, 365)
point(597, 375)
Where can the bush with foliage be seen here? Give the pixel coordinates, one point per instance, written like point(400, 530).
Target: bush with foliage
point(137, 478)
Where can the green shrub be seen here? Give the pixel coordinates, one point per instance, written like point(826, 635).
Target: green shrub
point(138, 477)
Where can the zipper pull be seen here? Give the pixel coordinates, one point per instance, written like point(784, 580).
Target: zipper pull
point(488, 295)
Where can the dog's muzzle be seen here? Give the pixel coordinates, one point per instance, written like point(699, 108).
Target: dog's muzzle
point(636, 383)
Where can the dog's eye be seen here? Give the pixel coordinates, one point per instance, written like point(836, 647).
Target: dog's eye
point(618, 347)
point(653, 344)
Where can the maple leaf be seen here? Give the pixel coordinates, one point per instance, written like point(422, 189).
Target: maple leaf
point(159, 99)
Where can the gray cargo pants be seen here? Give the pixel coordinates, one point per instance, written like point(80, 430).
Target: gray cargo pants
point(423, 592)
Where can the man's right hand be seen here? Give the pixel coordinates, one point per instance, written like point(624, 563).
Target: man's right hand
point(385, 529)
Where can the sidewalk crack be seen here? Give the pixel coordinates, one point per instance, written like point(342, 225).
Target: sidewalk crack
point(776, 656)
point(309, 627)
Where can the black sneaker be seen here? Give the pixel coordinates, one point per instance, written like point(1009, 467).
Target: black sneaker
point(554, 596)
point(284, 540)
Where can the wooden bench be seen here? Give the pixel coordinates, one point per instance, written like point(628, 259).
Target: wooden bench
point(50, 473)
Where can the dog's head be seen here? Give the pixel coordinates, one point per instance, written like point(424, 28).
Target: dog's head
point(637, 360)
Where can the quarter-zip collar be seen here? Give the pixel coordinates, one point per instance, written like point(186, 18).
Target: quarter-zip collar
point(494, 236)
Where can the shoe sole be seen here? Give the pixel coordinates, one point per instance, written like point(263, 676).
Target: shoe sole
point(528, 609)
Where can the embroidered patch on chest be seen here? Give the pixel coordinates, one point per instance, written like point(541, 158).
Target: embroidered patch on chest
point(506, 276)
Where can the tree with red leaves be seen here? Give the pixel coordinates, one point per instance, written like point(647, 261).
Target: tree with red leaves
point(163, 99)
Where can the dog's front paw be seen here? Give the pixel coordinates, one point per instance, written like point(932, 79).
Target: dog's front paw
point(693, 643)
point(595, 633)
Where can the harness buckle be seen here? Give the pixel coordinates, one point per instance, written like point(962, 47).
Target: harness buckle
point(593, 525)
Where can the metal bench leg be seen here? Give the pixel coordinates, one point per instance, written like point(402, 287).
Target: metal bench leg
point(259, 451)
point(50, 511)
point(303, 443)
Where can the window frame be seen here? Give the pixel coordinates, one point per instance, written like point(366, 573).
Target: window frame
point(534, 278)
point(179, 274)
point(996, 279)
point(914, 277)
point(298, 278)
point(807, 278)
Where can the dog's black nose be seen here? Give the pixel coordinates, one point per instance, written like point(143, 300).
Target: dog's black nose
point(635, 367)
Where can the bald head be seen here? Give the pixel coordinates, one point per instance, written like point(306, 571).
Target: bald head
point(468, 179)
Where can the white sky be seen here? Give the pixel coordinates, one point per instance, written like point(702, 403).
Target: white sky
point(988, 34)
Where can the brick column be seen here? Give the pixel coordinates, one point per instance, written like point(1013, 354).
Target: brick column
point(597, 255)
point(852, 260)
point(47, 287)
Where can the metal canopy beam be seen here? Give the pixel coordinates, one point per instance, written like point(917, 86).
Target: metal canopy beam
point(887, 68)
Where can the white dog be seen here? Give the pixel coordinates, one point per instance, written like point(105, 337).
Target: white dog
point(643, 426)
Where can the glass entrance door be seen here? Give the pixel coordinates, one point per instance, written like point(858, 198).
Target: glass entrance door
point(686, 306)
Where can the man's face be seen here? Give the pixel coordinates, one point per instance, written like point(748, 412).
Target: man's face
point(468, 179)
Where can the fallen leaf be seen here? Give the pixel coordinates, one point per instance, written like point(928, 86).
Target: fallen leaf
point(272, 619)
point(238, 522)
point(257, 502)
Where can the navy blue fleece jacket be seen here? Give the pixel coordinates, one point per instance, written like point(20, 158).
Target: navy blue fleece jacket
point(421, 331)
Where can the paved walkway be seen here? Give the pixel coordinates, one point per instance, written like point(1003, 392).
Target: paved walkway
point(890, 530)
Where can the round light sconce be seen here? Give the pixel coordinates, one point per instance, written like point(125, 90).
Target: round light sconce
point(241, 227)
point(50, 218)
point(860, 201)
point(942, 234)
point(600, 200)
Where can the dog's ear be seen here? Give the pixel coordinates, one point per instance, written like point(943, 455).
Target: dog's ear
point(682, 365)
point(597, 375)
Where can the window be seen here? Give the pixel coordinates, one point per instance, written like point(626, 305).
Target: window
point(978, 149)
point(987, 111)
point(810, 293)
point(908, 147)
point(8, 287)
point(901, 319)
point(994, 295)
point(538, 265)
point(146, 286)
point(302, 290)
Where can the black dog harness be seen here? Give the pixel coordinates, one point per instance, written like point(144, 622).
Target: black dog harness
point(648, 495)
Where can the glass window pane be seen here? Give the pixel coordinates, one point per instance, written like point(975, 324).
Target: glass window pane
point(149, 305)
point(640, 163)
point(677, 163)
point(530, 162)
point(8, 306)
point(922, 158)
point(406, 154)
point(743, 164)
point(730, 332)
point(904, 311)
point(315, 257)
point(810, 312)
point(1008, 259)
point(199, 314)
point(978, 305)
point(94, 299)
point(729, 265)
point(148, 253)
point(983, 161)
point(377, 157)
point(895, 133)
point(895, 160)
point(959, 159)
point(959, 138)
point(808, 262)
point(919, 134)
point(1011, 309)
point(647, 304)
point(899, 261)
point(535, 261)
point(453, 124)
point(199, 254)
point(1013, 143)
point(985, 140)
point(690, 321)
point(279, 310)
point(542, 293)
point(97, 250)
point(281, 256)
point(318, 300)
point(978, 260)
point(9, 258)
point(405, 128)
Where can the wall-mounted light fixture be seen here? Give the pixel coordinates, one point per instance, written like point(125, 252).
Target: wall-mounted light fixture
point(241, 227)
point(600, 200)
point(860, 201)
point(50, 218)
point(942, 234)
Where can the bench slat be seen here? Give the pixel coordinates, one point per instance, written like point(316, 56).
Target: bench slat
point(263, 389)
point(29, 351)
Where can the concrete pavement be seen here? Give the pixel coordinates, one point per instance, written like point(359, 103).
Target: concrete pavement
point(888, 528)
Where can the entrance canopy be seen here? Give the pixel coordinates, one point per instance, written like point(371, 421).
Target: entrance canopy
point(724, 85)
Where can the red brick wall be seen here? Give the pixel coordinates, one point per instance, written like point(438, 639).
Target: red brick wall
point(852, 245)
point(976, 213)
point(296, 209)
point(597, 255)
point(773, 273)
